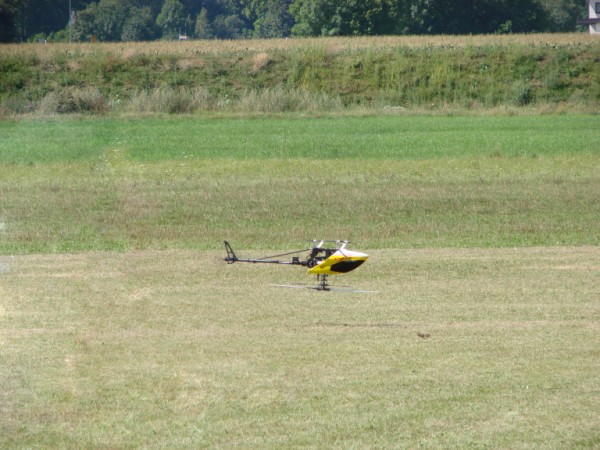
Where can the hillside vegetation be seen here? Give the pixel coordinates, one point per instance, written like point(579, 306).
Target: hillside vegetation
point(559, 71)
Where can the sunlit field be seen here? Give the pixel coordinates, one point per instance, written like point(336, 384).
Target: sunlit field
point(195, 47)
point(173, 348)
point(385, 182)
point(122, 326)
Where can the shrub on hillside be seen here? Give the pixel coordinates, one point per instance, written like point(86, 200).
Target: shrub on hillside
point(169, 100)
point(73, 100)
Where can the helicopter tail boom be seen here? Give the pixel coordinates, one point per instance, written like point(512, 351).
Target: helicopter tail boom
point(231, 258)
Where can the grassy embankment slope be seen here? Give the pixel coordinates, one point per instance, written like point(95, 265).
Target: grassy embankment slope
point(548, 72)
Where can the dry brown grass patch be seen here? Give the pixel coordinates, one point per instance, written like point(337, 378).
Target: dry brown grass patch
point(260, 61)
point(259, 46)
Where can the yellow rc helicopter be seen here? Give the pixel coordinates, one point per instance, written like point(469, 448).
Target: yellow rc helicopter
point(324, 258)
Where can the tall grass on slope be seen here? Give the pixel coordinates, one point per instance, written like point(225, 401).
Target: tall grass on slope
point(311, 77)
point(169, 100)
point(280, 99)
point(49, 52)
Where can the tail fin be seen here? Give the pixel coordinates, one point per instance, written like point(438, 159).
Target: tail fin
point(231, 258)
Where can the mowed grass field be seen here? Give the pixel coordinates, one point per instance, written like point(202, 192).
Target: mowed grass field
point(272, 183)
point(121, 326)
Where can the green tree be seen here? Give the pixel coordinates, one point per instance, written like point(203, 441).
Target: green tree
point(154, 5)
point(8, 25)
point(139, 26)
point(229, 26)
point(111, 19)
point(276, 21)
point(26, 18)
point(338, 17)
point(475, 16)
point(526, 15)
point(203, 28)
point(562, 15)
point(85, 24)
point(252, 10)
point(105, 20)
point(172, 19)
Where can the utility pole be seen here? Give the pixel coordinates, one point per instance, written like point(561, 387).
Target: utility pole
point(70, 21)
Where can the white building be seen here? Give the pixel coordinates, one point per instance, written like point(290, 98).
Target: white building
point(593, 20)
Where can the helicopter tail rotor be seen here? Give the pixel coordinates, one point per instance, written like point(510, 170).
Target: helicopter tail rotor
point(231, 258)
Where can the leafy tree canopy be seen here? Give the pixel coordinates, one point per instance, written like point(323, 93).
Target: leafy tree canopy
point(132, 20)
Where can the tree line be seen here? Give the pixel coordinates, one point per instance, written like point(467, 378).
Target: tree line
point(143, 20)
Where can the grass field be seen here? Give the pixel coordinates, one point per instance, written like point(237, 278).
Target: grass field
point(175, 349)
point(386, 182)
point(121, 326)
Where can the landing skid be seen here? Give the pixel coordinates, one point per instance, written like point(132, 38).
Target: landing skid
point(323, 285)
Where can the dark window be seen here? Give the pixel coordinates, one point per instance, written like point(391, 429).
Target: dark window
point(597, 7)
